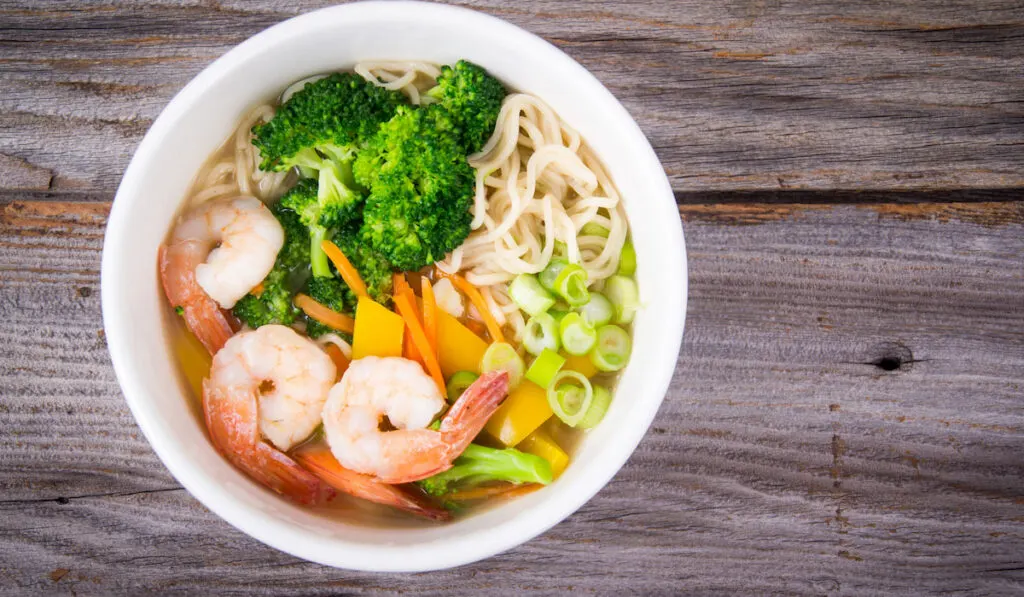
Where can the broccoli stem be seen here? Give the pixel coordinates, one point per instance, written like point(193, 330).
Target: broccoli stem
point(317, 257)
point(480, 464)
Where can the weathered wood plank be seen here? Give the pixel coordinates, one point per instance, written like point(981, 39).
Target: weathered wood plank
point(741, 94)
point(786, 458)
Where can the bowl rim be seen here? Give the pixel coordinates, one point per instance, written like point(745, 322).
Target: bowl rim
point(278, 534)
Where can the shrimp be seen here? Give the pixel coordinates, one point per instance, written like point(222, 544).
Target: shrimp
point(322, 463)
point(399, 389)
point(217, 253)
point(268, 383)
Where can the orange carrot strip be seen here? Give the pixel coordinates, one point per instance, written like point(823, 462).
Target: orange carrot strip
point(505, 490)
point(345, 268)
point(400, 287)
point(419, 338)
point(399, 283)
point(341, 362)
point(257, 290)
point(325, 315)
point(429, 312)
point(478, 301)
point(409, 348)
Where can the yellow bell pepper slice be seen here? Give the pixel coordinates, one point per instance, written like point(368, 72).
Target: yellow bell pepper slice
point(579, 364)
point(458, 348)
point(195, 361)
point(540, 443)
point(378, 331)
point(525, 409)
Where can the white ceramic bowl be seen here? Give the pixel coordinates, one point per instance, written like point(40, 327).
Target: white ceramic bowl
point(203, 114)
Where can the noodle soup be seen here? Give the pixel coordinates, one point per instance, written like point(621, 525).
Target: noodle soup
point(405, 285)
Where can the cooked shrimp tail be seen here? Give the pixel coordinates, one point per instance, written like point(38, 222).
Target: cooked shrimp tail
point(374, 388)
point(269, 384)
point(234, 433)
point(323, 464)
point(201, 313)
point(462, 423)
point(469, 414)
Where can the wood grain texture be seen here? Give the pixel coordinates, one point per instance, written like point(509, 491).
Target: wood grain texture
point(847, 415)
point(740, 94)
point(785, 458)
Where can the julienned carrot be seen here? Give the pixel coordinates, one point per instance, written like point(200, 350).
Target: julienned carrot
point(419, 338)
point(429, 312)
point(341, 362)
point(505, 490)
point(478, 301)
point(399, 284)
point(345, 268)
point(400, 287)
point(325, 315)
point(257, 290)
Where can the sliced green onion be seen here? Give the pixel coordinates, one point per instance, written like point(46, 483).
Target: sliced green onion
point(528, 294)
point(598, 407)
point(541, 333)
point(598, 311)
point(571, 285)
point(558, 315)
point(570, 396)
point(501, 356)
point(550, 273)
point(458, 382)
point(544, 367)
point(625, 297)
point(627, 260)
point(611, 352)
point(578, 336)
point(561, 250)
point(592, 229)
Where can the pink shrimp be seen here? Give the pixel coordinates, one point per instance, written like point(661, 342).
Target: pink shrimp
point(320, 461)
point(217, 253)
point(373, 388)
point(269, 383)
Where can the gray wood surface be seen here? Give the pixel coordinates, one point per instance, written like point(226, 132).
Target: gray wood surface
point(847, 415)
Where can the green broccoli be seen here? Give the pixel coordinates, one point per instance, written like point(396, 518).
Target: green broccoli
point(327, 118)
point(374, 269)
point(294, 252)
point(333, 294)
point(421, 188)
point(472, 99)
point(274, 303)
point(480, 464)
point(321, 208)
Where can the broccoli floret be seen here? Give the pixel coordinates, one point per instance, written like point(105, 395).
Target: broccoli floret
point(421, 188)
point(326, 118)
point(472, 98)
point(272, 305)
point(322, 207)
point(333, 294)
point(480, 464)
point(294, 252)
point(274, 302)
point(374, 269)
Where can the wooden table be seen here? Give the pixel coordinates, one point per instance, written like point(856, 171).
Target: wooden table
point(847, 416)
